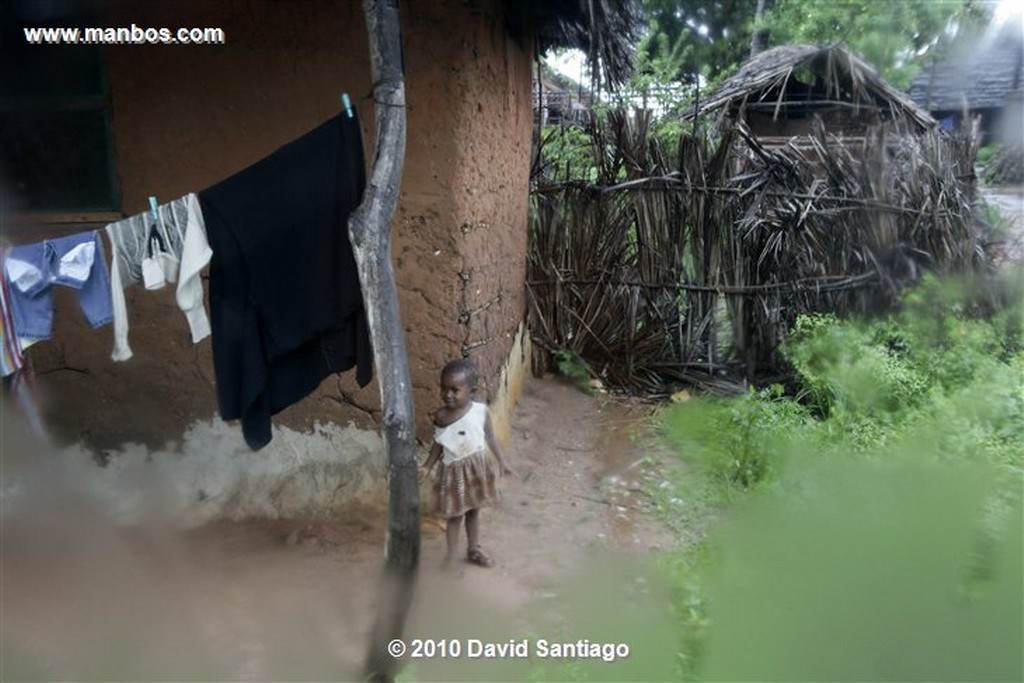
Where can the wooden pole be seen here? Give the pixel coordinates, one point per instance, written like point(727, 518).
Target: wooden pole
point(370, 233)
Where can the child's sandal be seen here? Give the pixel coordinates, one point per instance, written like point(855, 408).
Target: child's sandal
point(477, 556)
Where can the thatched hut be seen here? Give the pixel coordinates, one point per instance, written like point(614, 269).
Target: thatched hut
point(846, 177)
point(779, 92)
point(824, 189)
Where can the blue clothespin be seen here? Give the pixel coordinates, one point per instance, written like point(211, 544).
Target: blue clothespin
point(347, 103)
point(152, 207)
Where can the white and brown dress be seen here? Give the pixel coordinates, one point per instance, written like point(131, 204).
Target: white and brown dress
point(468, 477)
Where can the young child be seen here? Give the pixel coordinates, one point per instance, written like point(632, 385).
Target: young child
point(462, 436)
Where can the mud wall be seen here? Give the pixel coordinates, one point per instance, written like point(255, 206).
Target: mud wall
point(185, 117)
point(464, 294)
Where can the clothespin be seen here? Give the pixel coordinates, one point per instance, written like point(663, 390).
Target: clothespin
point(152, 207)
point(347, 103)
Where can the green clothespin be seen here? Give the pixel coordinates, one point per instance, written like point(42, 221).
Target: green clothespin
point(347, 103)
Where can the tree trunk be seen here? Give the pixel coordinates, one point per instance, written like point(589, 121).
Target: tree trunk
point(370, 233)
point(759, 42)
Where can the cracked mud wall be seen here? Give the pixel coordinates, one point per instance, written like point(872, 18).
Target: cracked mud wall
point(184, 118)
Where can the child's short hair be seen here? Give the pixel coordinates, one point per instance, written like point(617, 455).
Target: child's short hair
point(462, 366)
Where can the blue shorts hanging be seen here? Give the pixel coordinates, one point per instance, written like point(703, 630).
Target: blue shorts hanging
point(75, 261)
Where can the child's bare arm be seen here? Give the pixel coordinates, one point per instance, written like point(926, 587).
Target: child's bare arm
point(492, 443)
point(435, 455)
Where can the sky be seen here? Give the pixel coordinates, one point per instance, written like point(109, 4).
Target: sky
point(1007, 8)
point(568, 63)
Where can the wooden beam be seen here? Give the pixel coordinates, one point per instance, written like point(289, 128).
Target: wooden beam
point(370, 233)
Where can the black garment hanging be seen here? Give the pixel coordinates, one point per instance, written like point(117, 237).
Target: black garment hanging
point(286, 308)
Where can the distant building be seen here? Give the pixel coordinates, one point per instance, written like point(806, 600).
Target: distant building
point(559, 100)
point(982, 79)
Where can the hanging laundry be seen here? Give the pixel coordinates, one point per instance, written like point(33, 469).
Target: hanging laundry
point(18, 380)
point(10, 352)
point(171, 247)
point(75, 261)
point(285, 303)
point(160, 266)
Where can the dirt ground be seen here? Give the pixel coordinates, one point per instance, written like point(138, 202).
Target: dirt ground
point(293, 600)
point(1009, 247)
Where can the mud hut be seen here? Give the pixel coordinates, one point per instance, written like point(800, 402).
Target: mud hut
point(163, 118)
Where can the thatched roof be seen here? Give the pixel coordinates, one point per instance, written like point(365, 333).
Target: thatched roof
point(772, 79)
point(980, 79)
point(606, 30)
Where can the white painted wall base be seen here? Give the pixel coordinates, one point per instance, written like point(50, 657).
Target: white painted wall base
point(212, 475)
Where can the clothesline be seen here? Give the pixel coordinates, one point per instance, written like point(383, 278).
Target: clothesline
point(285, 304)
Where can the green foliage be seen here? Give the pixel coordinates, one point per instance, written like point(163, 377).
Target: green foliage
point(846, 371)
point(687, 574)
point(894, 37)
point(737, 441)
point(873, 381)
point(698, 38)
point(568, 154)
point(879, 557)
point(656, 82)
point(1005, 166)
point(916, 419)
point(571, 366)
point(986, 152)
point(687, 42)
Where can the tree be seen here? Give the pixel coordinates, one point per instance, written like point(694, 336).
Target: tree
point(687, 41)
point(706, 37)
point(895, 37)
point(759, 41)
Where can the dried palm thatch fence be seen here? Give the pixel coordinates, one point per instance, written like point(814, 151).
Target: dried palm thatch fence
point(690, 267)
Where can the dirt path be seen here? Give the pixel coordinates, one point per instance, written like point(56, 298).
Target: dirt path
point(292, 601)
point(1010, 201)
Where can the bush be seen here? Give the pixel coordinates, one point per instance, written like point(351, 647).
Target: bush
point(946, 367)
point(1005, 166)
point(985, 153)
point(852, 374)
point(566, 153)
point(736, 441)
point(842, 500)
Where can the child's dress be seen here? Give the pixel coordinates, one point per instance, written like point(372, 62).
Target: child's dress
point(467, 479)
